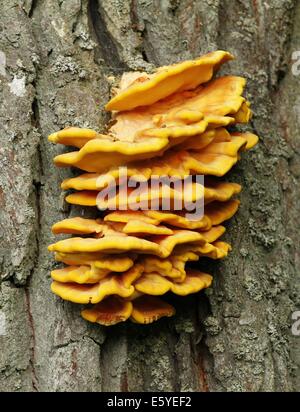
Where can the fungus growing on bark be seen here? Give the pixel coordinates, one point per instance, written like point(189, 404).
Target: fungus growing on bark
point(143, 309)
point(112, 284)
point(215, 213)
point(216, 191)
point(73, 136)
point(79, 274)
point(158, 245)
point(77, 226)
point(215, 159)
point(112, 263)
point(170, 124)
point(156, 284)
point(147, 309)
point(110, 311)
point(81, 226)
point(148, 89)
point(150, 131)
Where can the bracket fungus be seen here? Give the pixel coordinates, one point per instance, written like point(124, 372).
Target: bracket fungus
point(148, 89)
point(169, 124)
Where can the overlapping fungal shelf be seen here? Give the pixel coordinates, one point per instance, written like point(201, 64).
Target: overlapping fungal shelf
point(170, 123)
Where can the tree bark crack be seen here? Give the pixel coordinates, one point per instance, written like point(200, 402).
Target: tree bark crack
point(106, 45)
point(33, 342)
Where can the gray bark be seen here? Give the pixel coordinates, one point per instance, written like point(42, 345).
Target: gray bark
point(55, 66)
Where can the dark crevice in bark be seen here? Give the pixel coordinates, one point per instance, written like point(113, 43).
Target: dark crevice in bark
point(35, 119)
point(221, 17)
point(174, 5)
point(281, 73)
point(139, 28)
point(173, 339)
point(285, 56)
point(134, 17)
point(63, 345)
point(284, 60)
point(102, 366)
point(34, 112)
point(38, 187)
point(201, 351)
point(147, 49)
point(145, 58)
point(34, 378)
point(99, 344)
point(33, 5)
point(107, 48)
point(124, 382)
point(112, 335)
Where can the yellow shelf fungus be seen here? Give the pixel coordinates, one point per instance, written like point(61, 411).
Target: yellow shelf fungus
point(158, 245)
point(143, 310)
point(216, 191)
point(216, 159)
point(169, 124)
point(156, 284)
point(79, 274)
point(183, 193)
point(181, 113)
point(81, 226)
point(215, 213)
point(147, 309)
point(77, 226)
point(150, 131)
point(119, 263)
point(110, 311)
point(172, 267)
point(112, 284)
point(73, 136)
point(148, 89)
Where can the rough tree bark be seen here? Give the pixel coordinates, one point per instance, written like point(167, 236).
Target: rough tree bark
point(56, 58)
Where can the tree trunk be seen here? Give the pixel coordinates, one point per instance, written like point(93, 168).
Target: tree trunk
point(56, 59)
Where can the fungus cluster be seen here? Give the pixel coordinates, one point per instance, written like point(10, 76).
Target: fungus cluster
point(171, 123)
